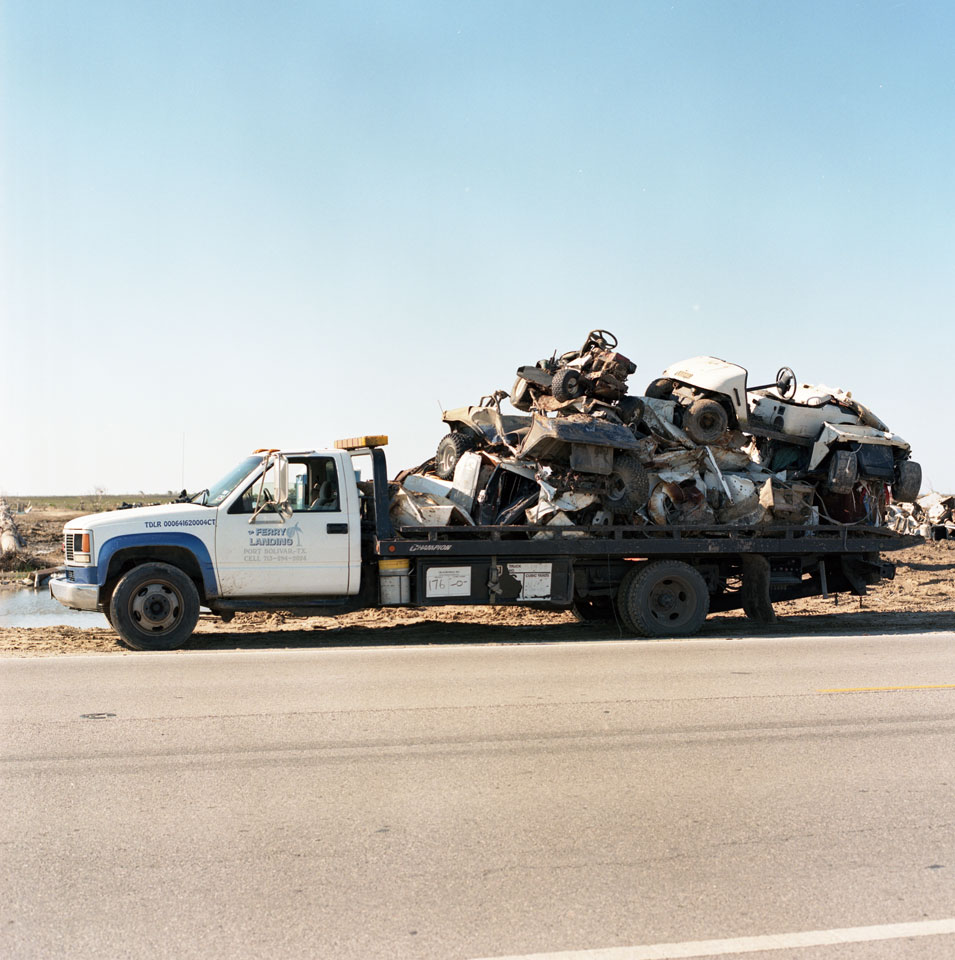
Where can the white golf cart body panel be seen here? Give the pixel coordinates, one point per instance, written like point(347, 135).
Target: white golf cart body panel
point(712, 375)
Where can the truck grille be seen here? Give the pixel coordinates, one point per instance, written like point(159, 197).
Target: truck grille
point(68, 543)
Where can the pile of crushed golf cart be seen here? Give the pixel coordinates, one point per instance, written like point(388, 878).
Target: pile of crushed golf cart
point(699, 448)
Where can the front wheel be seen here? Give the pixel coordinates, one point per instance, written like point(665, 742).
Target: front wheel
point(451, 448)
point(154, 607)
point(705, 421)
point(568, 384)
point(665, 598)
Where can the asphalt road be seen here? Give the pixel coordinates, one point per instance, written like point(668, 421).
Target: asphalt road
point(483, 801)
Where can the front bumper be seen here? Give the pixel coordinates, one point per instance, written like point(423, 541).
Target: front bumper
point(77, 596)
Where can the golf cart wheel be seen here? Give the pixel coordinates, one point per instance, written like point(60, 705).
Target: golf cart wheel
point(908, 481)
point(843, 471)
point(665, 598)
point(449, 452)
point(705, 421)
point(522, 398)
point(629, 485)
point(660, 389)
point(568, 384)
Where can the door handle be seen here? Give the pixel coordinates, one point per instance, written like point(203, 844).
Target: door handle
point(336, 528)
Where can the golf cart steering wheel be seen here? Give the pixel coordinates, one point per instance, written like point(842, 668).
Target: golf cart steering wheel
point(786, 383)
point(603, 339)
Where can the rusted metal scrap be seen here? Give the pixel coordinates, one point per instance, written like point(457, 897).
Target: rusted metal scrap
point(701, 447)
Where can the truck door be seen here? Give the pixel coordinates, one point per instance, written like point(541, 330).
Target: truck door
point(306, 554)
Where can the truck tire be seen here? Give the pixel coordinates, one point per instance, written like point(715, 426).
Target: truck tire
point(908, 481)
point(629, 485)
point(568, 384)
point(705, 421)
point(450, 449)
point(755, 592)
point(665, 598)
point(155, 606)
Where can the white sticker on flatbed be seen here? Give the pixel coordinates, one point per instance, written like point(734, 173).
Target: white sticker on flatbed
point(535, 579)
point(448, 582)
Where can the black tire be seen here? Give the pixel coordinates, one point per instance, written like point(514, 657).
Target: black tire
point(155, 607)
point(450, 449)
point(568, 384)
point(908, 481)
point(843, 471)
point(629, 485)
point(664, 598)
point(705, 421)
point(661, 389)
point(755, 591)
point(630, 409)
point(593, 609)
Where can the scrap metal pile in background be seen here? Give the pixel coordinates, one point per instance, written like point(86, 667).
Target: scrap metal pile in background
point(931, 517)
point(700, 448)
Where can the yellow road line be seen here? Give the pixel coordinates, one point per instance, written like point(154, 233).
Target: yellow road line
point(923, 686)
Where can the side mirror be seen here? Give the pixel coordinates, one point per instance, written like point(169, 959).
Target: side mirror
point(281, 479)
point(279, 500)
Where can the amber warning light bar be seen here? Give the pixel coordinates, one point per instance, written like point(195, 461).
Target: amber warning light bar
point(357, 443)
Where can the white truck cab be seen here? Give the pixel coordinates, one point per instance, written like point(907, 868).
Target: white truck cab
point(279, 524)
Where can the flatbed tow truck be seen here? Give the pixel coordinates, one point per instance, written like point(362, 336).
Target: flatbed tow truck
point(302, 532)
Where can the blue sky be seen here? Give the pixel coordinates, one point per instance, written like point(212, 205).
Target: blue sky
point(234, 225)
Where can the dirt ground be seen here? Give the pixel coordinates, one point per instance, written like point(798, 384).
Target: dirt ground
point(921, 598)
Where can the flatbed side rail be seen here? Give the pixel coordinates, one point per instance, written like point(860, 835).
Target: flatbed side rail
point(633, 541)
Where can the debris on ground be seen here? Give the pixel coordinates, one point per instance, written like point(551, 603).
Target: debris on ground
point(700, 448)
point(10, 539)
point(931, 516)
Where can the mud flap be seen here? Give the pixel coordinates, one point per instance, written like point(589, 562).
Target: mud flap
point(755, 593)
point(861, 573)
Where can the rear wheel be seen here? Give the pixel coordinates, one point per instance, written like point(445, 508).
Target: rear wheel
point(664, 598)
point(843, 471)
point(908, 481)
point(155, 607)
point(661, 389)
point(449, 452)
point(705, 421)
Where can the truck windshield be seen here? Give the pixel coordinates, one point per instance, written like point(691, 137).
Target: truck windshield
point(219, 491)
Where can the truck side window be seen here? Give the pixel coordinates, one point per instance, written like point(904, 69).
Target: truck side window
point(324, 485)
point(247, 502)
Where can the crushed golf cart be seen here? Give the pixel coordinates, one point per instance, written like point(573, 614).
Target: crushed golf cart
point(815, 433)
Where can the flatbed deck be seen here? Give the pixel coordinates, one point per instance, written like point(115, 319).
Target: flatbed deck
point(641, 541)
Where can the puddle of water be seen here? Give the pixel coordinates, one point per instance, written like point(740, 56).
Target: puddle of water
point(36, 608)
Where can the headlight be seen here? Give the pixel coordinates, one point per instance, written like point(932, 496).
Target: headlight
point(79, 547)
